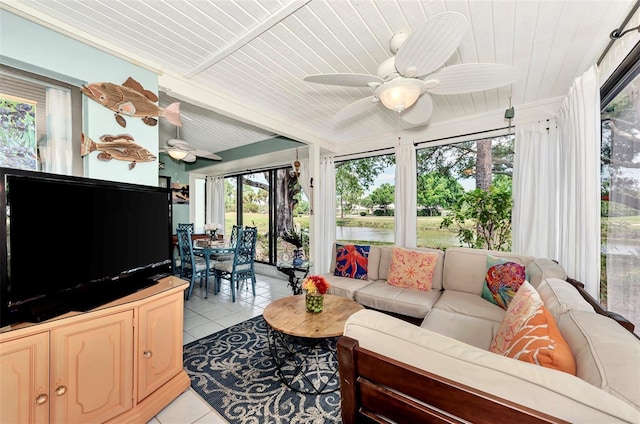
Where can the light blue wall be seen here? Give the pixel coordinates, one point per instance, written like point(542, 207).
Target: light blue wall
point(178, 174)
point(34, 48)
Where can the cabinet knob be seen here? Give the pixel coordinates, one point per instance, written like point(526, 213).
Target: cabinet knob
point(42, 399)
point(147, 354)
point(60, 390)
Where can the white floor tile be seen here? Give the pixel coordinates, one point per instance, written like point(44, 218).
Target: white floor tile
point(206, 329)
point(186, 408)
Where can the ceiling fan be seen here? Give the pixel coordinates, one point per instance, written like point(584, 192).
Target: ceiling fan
point(404, 81)
point(181, 150)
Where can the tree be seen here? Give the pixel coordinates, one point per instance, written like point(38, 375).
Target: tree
point(383, 196)
point(480, 159)
point(354, 177)
point(489, 213)
point(437, 191)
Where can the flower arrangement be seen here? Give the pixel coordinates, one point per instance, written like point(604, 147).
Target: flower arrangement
point(315, 284)
point(212, 229)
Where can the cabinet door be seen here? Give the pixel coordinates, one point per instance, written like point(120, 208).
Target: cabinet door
point(159, 353)
point(92, 369)
point(24, 380)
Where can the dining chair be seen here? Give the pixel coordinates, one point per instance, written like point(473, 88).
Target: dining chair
point(193, 266)
point(177, 262)
point(241, 267)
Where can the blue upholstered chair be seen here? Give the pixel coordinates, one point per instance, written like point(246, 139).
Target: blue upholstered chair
point(241, 266)
point(193, 267)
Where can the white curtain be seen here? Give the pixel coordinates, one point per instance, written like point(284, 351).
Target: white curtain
point(579, 181)
point(326, 209)
point(56, 150)
point(536, 166)
point(215, 201)
point(405, 195)
point(304, 178)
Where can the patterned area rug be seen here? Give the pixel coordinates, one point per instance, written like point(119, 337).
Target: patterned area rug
point(234, 371)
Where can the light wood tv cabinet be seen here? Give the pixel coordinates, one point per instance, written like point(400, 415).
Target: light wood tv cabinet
point(118, 363)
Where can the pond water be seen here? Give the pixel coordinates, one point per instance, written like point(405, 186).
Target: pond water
point(426, 238)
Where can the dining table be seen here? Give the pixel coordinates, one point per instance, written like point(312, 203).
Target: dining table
point(213, 249)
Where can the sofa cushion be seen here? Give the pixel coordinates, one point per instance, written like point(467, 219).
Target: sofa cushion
point(559, 297)
point(344, 286)
point(469, 304)
point(411, 269)
point(606, 354)
point(475, 331)
point(502, 281)
point(465, 268)
point(405, 301)
point(541, 268)
point(352, 261)
point(528, 333)
point(385, 262)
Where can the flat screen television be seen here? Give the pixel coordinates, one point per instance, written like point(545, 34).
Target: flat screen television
point(72, 243)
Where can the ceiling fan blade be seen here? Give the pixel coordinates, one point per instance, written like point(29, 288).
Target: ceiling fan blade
point(206, 155)
point(431, 44)
point(356, 108)
point(346, 80)
point(179, 144)
point(470, 77)
point(420, 112)
point(189, 158)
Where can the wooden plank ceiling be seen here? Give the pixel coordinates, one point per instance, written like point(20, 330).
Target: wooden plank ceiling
point(249, 57)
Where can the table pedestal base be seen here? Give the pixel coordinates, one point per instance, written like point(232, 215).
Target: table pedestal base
point(305, 365)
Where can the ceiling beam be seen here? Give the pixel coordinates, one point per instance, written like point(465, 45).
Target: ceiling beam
point(263, 26)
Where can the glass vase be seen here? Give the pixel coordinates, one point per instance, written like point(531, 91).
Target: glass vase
point(314, 302)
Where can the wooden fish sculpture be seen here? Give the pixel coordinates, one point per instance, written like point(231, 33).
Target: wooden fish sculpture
point(131, 99)
point(120, 147)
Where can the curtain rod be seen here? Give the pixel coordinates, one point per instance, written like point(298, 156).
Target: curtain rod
point(361, 153)
point(460, 135)
point(618, 32)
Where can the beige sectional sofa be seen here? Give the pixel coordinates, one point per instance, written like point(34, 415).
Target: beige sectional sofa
point(456, 327)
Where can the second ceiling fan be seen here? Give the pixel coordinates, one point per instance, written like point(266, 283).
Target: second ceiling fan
point(181, 150)
point(404, 81)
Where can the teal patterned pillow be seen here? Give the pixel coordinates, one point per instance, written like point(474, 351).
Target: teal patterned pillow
point(502, 281)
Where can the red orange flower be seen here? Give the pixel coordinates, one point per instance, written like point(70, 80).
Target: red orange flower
point(315, 284)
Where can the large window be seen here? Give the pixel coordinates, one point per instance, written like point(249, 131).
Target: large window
point(620, 191)
point(464, 194)
point(365, 190)
point(272, 201)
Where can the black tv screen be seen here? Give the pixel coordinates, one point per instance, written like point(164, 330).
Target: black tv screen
point(74, 243)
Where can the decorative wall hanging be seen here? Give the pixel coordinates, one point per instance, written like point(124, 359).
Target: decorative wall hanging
point(180, 193)
point(120, 147)
point(131, 99)
point(17, 133)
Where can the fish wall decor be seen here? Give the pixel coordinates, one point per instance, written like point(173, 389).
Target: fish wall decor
point(131, 99)
point(120, 147)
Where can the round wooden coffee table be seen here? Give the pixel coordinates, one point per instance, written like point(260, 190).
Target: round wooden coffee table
point(303, 345)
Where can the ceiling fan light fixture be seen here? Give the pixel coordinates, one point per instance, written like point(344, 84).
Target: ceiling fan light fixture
point(177, 154)
point(400, 93)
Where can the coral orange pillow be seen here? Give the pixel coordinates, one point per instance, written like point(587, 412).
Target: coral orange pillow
point(412, 269)
point(529, 333)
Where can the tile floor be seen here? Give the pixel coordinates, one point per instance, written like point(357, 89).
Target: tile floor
point(205, 316)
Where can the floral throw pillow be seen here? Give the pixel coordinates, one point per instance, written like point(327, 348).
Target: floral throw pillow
point(413, 269)
point(352, 261)
point(502, 281)
point(528, 332)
